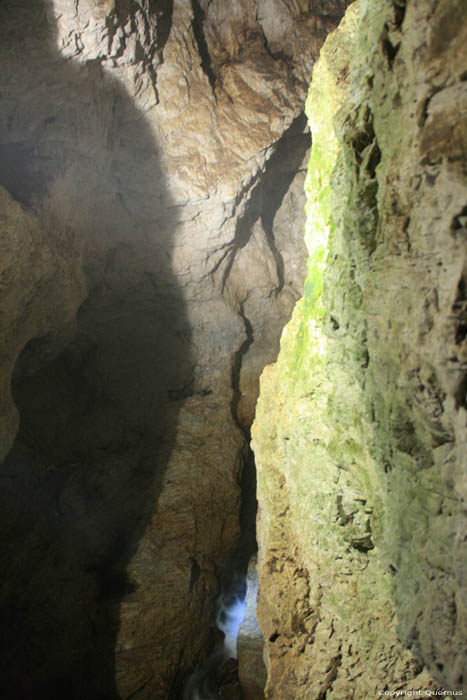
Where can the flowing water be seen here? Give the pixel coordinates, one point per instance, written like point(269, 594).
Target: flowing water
point(204, 683)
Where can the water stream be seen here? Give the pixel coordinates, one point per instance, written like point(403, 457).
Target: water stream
point(220, 668)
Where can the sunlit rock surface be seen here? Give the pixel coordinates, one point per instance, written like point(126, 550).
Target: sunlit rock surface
point(360, 431)
point(152, 164)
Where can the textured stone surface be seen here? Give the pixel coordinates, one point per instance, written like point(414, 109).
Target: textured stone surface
point(360, 429)
point(151, 155)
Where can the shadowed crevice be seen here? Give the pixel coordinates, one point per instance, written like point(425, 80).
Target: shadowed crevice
point(267, 192)
point(198, 31)
point(291, 150)
point(237, 366)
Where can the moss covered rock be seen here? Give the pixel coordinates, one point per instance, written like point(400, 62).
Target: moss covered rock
point(360, 428)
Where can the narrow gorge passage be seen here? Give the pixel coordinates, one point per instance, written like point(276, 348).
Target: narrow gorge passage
point(152, 164)
point(157, 266)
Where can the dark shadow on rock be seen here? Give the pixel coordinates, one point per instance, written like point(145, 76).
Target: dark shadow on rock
point(97, 424)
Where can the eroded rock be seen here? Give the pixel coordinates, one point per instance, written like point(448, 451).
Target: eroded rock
point(360, 430)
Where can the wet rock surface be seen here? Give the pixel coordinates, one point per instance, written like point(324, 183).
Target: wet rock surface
point(152, 163)
point(359, 434)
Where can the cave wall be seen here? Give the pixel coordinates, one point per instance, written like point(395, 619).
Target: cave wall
point(359, 434)
point(152, 159)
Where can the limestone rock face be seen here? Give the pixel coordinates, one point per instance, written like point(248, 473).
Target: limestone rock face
point(359, 434)
point(152, 164)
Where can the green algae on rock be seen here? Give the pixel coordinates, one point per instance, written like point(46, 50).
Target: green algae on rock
point(360, 427)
